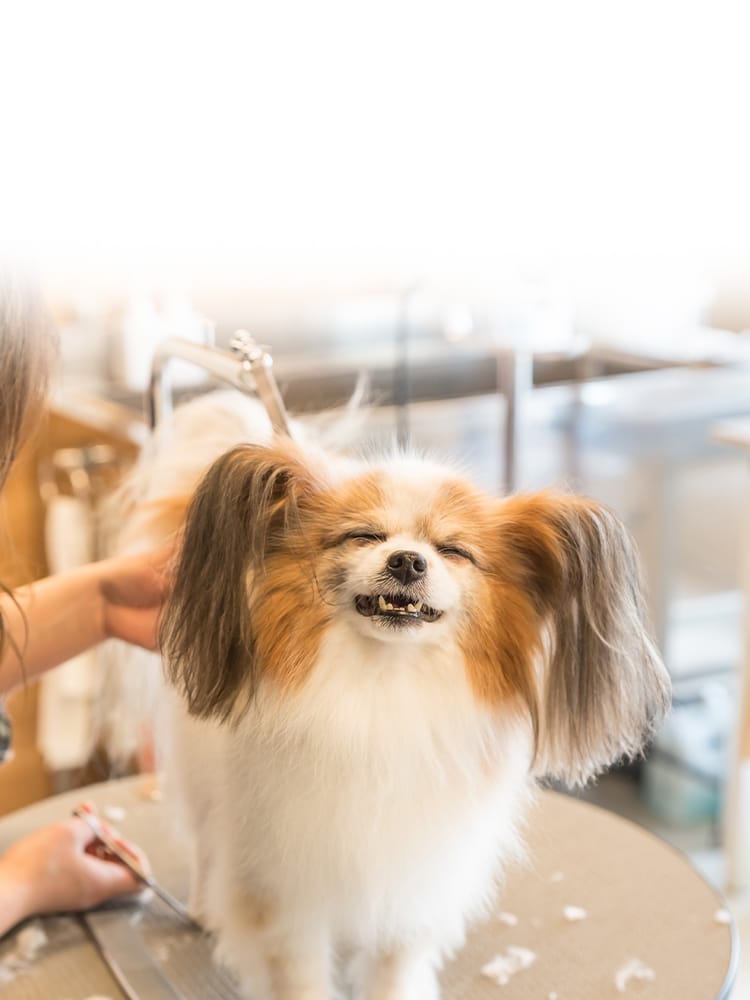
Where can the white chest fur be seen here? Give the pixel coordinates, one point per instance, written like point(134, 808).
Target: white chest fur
point(379, 800)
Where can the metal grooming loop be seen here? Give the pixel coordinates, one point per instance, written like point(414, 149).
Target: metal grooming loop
point(247, 367)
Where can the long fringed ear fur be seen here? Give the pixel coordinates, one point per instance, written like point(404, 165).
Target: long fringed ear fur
point(238, 514)
point(603, 685)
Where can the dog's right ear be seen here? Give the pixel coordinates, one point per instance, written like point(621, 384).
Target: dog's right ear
point(239, 513)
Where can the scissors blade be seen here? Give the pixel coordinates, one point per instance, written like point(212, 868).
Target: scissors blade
point(171, 901)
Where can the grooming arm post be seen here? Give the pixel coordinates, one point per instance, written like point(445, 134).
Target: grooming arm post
point(247, 367)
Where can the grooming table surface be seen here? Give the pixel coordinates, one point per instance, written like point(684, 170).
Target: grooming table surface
point(643, 900)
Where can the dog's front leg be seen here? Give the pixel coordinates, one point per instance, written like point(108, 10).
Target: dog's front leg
point(199, 862)
point(300, 969)
point(400, 974)
point(271, 958)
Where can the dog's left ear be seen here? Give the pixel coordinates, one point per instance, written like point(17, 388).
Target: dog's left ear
point(603, 686)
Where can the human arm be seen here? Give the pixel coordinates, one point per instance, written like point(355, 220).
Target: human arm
point(58, 617)
point(57, 869)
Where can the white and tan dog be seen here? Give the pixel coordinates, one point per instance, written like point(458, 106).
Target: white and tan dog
point(369, 663)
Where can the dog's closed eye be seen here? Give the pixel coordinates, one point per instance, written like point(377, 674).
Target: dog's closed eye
point(365, 537)
point(456, 552)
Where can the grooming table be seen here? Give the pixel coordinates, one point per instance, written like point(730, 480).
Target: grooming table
point(642, 900)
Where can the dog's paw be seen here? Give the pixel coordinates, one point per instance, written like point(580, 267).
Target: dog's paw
point(248, 968)
point(373, 979)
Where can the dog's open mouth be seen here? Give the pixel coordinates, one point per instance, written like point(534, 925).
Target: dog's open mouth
point(395, 607)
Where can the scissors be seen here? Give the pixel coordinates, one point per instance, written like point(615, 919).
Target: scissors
point(94, 824)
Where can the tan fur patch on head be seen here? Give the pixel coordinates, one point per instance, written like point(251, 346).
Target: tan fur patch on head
point(347, 506)
point(499, 632)
point(288, 617)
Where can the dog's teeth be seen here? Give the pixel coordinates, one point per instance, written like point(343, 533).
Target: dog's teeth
point(417, 607)
point(410, 607)
point(381, 603)
point(390, 607)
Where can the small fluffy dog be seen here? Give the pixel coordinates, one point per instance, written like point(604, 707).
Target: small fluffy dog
point(369, 663)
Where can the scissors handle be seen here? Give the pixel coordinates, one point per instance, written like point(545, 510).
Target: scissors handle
point(92, 821)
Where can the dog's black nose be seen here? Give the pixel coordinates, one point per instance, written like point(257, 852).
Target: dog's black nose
point(406, 567)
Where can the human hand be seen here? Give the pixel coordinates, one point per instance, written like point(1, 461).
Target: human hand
point(62, 867)
point(133, 589)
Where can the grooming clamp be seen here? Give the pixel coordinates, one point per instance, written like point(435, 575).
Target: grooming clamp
point(246, 366)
